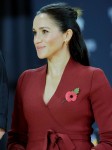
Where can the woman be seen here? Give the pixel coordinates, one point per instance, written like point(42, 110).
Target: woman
point(56, 104)
point(3, 97)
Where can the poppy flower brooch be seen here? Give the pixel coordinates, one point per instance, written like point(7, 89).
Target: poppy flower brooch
point(71, 95)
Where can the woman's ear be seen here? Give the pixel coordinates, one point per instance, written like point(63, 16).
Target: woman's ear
point(68, 35)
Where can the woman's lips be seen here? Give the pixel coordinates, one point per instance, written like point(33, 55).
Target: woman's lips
point(40, 47)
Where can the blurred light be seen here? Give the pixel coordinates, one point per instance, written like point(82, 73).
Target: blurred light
point(81, 23)
point(109, 12)
point(94, 139)
point(91, 45)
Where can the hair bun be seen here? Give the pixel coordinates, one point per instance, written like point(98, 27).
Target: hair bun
point(77, 12)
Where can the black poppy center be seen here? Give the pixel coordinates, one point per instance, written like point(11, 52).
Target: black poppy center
point(71, 96)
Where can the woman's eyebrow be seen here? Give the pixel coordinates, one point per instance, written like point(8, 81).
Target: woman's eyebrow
point(44, 27)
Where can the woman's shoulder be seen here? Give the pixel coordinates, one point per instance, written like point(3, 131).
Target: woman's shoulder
point(89, 69)
point(91, 73)
point(32, 72)
point(35, 70)
point(96, 72)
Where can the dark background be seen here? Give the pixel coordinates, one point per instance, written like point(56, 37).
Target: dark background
point(16, 38)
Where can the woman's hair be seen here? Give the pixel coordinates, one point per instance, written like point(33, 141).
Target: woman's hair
point(65, 16)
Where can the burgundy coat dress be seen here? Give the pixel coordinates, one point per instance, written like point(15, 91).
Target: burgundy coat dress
point(62, 125)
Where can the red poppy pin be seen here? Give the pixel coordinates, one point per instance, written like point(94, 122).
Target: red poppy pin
point(72, 95)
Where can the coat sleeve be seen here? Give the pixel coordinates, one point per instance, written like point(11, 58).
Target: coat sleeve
point(101, 100)
point(17, 136)
point(3, 94)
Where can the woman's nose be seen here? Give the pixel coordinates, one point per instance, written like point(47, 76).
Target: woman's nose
point(37, 39)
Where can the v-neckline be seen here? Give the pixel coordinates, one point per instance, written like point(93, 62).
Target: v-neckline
point(57, 92)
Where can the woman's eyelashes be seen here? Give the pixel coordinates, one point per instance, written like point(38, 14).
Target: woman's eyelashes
point(45, 31)
point(34, 32)
point(42, 32)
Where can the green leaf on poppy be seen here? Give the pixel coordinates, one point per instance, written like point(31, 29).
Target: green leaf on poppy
point(76, 90)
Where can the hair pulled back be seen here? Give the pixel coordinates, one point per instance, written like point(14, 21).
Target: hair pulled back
point(65, 16)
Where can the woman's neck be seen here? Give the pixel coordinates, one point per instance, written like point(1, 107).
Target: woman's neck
point(56, 65)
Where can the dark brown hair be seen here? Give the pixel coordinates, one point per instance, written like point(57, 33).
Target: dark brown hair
point(65, 16)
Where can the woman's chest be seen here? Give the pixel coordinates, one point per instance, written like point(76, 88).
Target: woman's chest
point(58, 107)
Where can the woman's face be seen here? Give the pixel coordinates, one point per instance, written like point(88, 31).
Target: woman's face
point(48, 39)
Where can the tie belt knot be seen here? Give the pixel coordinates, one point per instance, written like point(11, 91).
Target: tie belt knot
point(53, 137)
point(55, 140)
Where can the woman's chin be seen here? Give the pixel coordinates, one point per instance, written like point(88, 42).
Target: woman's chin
point(41, 56)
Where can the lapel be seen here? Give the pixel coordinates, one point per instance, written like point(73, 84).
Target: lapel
point(67, 82)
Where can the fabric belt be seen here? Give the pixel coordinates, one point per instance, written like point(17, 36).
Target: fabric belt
point(53, 140)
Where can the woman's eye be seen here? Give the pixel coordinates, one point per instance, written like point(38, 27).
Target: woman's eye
point(44, 31)
point(34, 32)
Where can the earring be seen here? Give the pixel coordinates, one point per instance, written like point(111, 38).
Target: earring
point(66, 43)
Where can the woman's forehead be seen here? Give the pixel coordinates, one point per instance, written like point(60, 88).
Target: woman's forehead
point(44, 20)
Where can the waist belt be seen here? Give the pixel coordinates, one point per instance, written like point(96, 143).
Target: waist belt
point(53, 140)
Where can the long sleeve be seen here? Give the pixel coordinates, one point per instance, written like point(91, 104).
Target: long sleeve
point(3, 94)
point(101, 100)
point(17, 136)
